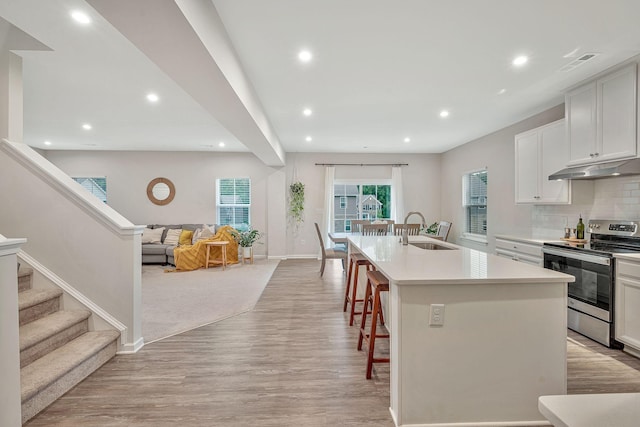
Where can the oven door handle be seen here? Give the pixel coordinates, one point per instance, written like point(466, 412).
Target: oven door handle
point(595, 259)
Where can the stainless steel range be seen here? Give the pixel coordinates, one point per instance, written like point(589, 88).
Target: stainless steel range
point(591, 296)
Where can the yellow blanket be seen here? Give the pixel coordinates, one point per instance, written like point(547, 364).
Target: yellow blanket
point(193, 257)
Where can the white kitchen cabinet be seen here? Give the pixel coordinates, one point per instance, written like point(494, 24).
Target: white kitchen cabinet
point(539, 153)
point(529, 253)
point(627, 305)
point(601, 118)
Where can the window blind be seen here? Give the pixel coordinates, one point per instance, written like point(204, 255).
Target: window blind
point(96, 186)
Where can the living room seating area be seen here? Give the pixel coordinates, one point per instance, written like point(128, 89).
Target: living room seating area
point(160, 240)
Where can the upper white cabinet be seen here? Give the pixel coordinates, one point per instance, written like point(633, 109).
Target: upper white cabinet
point(601, 118)
point(539, 153)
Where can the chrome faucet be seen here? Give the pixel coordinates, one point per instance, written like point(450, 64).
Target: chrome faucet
point(405, 234)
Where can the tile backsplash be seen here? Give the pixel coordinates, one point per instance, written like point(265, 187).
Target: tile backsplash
point(608, 198)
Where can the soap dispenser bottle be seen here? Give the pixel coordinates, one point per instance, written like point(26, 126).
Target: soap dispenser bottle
point(580, 229)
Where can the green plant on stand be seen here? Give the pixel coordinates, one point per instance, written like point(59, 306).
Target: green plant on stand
point(246, 239)
point(296, 202)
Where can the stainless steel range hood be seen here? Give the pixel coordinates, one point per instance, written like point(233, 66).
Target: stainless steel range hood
point(600, 170)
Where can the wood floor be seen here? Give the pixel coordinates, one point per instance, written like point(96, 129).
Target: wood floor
point(292, 361)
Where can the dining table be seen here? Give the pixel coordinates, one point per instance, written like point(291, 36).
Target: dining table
point(340, 237)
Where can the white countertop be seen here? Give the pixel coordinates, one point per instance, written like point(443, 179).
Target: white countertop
point(592, 410)
point(406, 265)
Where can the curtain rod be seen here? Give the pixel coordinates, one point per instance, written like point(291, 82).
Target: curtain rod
point(362, 164)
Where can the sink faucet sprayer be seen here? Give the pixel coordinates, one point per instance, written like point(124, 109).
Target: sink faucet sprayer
point(405, 234)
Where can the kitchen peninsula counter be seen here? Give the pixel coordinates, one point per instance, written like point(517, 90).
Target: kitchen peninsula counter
point(502, 343)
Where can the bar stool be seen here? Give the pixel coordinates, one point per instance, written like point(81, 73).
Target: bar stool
point(358, 260)
point(376, 283)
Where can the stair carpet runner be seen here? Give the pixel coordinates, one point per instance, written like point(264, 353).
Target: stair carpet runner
point(57, 350)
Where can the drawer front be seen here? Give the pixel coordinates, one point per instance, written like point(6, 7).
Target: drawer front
point(628, 268)
point(519, 247)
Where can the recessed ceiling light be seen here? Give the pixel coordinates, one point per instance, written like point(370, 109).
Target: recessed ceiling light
point(407, 139)
point(520, 60)
point(80, 17)
point(152, 97)
point(444, 113)
point(305, 56)
point(222, 144)
point(307, 112)
point(308, 139)
point(86, 126)
point(501, 91)
point(47, 143)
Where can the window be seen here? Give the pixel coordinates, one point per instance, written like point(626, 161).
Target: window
point(474, 200)
point(96, 186)
point(233, 200)
point(361, 200)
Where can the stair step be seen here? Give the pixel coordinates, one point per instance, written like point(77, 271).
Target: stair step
point(44, 335)
point(36, 303)
point(51, 376)
point(24, 278)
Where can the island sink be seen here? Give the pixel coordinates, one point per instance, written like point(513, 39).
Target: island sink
point(430, 246)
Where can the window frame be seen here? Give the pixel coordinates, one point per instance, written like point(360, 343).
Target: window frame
point(220, 204)
point(362, 213)
point(466, 205)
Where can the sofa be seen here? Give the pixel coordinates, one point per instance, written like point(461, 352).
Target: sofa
point(157, 249)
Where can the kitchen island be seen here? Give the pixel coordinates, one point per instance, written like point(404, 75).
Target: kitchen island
point(501, 344)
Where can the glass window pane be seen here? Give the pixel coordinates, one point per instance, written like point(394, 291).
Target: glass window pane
point(95, 185)
point(475, 201)
point(234, 202)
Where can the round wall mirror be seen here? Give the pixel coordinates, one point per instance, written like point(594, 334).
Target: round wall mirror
point(161, 191)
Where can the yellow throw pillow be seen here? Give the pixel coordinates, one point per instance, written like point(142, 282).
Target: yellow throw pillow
point(185, 237)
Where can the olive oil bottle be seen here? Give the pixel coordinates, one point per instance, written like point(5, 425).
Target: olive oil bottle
point(580, 229)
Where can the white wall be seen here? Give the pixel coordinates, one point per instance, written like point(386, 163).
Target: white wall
point(421, 179)
point(10, 411)
point(194, 175)
point(496, 153)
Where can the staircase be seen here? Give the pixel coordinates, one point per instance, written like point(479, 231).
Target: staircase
point(57, 350)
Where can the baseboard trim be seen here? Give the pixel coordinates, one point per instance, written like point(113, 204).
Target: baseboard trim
point(307, 256)
point(131, 348)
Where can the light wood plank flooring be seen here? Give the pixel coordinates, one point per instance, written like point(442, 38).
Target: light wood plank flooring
point(292, 361)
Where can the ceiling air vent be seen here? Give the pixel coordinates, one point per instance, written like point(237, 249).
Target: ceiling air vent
point(579, 61)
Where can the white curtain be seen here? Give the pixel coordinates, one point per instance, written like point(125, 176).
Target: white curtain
point(327, 217)
point(397, 196)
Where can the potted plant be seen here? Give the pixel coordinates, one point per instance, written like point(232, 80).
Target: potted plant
point(432, 229)
point(246, 239)
point(296, 202)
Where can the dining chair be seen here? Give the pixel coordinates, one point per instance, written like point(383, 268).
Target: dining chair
point(356, 225)
point(443, 230)
point(375, 229)
point(328, 253)
point(412, 229)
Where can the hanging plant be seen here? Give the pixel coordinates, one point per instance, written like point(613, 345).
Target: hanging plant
point(296, 202)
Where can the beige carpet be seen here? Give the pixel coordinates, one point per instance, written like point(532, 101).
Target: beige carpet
point(173, 303)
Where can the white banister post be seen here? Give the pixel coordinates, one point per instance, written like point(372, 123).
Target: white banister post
point(10, 402)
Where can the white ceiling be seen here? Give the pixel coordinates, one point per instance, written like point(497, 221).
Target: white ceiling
point(382, 70)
